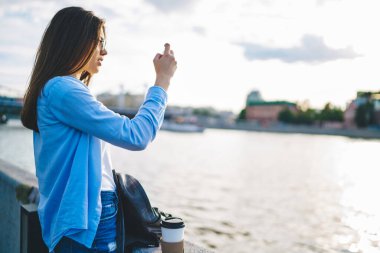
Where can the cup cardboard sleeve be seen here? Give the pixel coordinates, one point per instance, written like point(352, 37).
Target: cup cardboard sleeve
point(172, 247)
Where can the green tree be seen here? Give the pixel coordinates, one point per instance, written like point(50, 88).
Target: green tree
point(202, 112)
point(364, 115)
point(310, 116)
point(286, 116)
point(330, 113)
point(307, 117)
point(300, 118)
point(242, 115)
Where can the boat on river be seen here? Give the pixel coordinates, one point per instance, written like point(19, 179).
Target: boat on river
point(182, 127)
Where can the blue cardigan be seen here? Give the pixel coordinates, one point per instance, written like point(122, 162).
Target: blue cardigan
point(67, 153)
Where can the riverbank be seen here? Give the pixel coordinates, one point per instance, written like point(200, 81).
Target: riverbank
point(352, 133)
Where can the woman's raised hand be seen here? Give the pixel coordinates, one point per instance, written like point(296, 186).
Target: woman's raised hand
point(165, 66)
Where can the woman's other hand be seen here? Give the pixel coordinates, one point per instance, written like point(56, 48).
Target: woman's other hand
point(165, 66)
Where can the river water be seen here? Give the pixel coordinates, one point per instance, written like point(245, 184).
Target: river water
point(244, 191)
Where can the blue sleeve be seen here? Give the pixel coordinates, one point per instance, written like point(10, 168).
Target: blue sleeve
point(74, 105)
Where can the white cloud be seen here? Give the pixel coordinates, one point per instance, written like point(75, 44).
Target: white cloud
point(212, 69)
point(322, 2)
point(312, 50)
point(199, 30)
point(172, 5)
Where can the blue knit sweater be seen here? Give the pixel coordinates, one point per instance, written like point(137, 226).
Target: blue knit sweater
point(67, 153)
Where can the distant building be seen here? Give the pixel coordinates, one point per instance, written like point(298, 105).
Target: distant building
point(349, 115)
point(254, 96)
point(266, 112)
point(376, 104)
point(122, 100)
point(362, 98)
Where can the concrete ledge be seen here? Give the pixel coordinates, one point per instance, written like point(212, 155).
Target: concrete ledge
point(16, 187)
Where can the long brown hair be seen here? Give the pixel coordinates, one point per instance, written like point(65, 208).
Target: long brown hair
point(67, 45)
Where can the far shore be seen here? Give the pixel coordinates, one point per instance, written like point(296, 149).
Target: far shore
point(282, 128)
point(353, 133)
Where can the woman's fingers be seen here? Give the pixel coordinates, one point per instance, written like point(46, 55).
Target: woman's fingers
point(167, 49)
point(158, 56)
point(165, 66)
point(169, 56)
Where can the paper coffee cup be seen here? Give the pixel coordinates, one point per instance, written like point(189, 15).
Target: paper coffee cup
point(172, 229)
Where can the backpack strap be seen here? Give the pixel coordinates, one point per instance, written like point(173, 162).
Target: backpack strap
point(120, 228)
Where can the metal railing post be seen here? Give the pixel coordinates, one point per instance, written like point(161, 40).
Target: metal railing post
point(30, 231)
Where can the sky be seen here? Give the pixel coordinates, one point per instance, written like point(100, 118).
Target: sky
point(316, 51)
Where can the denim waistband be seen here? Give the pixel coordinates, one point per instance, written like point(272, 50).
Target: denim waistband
point(108, 193)
point(108, 196)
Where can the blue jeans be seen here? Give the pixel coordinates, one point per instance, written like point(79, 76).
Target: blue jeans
point(105, 238)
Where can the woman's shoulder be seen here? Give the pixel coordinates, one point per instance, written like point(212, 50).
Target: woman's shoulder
point(62, 84)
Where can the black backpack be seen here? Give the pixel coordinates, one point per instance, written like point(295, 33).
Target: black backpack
point(138, 222)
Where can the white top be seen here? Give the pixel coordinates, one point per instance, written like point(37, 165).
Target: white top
point(107, 178)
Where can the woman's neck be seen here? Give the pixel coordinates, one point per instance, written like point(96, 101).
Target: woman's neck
point(76, 75)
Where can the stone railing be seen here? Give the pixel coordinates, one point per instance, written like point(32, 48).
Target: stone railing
point(19, 187)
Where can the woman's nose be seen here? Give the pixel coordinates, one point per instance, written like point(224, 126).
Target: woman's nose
point(103, 52)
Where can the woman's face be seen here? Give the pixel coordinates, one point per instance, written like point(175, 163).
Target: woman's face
point(95, 62)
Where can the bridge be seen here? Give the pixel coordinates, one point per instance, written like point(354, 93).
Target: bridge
point(10, 103)
point(10, 107)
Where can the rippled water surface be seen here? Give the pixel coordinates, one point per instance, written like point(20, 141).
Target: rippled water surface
point(253, 192)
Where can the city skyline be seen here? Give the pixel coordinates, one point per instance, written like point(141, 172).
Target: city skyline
point(289, 50)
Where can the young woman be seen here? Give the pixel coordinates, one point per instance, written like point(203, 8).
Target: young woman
point(78, 204)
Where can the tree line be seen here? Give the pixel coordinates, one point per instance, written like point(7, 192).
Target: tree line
point(312, 116)
point(364, 115)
